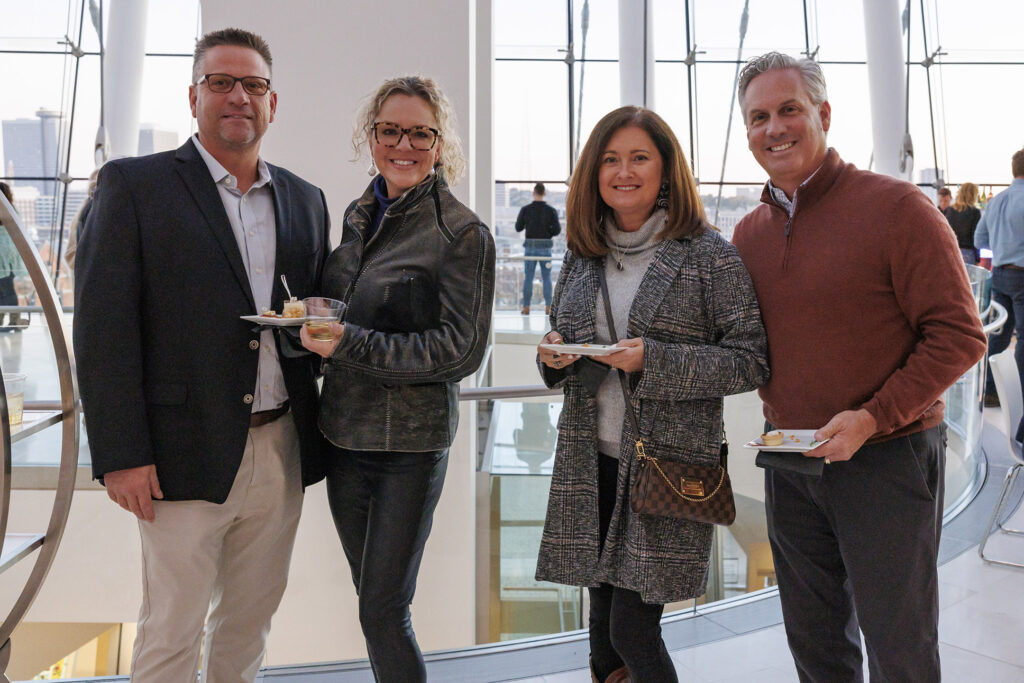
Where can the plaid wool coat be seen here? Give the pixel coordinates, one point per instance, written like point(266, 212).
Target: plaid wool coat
point(703, 339)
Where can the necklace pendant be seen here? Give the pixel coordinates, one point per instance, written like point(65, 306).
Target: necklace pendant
point(618, 265)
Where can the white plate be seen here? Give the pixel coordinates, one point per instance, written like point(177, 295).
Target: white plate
point(584, 349)
point(274, 322)
point(793, 441)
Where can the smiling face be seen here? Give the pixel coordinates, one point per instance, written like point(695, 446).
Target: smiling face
point(629, 176)
point(785, 130)
point(402, 166)
point(233, 121)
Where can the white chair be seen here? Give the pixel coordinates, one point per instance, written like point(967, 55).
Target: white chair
point(1004, 371)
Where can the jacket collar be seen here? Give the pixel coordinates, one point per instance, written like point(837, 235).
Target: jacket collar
point(661, 273)
point(815, 187)
point(366, 205)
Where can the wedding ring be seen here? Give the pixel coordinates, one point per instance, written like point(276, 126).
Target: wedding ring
point(558, 363)
point(827, 461)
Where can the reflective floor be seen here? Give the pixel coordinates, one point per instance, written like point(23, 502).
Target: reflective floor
point(980, 624)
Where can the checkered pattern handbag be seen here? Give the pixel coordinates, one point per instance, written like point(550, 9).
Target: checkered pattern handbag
point(665, 488)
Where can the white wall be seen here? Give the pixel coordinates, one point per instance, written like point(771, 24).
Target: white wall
point(329, 55)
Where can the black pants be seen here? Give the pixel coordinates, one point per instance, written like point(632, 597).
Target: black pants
point(383, 504)
point(857, 549)
point(624, 630)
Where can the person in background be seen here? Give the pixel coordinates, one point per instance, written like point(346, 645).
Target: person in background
point(945, 198)
point(11, 268)
point(691, 331)
point(540, 221)
point(78, 223)
point(1001, 229)
point(199, 424)
point(416, 269)
point(870, 318)
point(963, 216)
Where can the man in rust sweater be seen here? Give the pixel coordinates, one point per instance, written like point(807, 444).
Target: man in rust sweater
point(869, 318)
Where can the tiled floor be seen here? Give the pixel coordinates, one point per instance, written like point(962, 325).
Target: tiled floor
point(980, 630)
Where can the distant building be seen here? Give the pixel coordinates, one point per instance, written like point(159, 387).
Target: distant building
point(153, 140)
point(500, 194)
point(30, 150)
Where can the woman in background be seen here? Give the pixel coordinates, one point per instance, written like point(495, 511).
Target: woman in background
point(963, 216)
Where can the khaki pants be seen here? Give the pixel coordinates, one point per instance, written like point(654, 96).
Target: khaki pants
point(230, 560)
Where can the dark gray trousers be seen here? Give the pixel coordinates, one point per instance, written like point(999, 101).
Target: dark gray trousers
point(857, 549)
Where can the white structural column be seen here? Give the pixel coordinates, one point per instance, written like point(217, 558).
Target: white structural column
point(886, 85)
point(636, 53)
point(122, 74)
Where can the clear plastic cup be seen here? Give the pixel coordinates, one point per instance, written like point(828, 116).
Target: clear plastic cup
point(14, 385)
point(320, 313)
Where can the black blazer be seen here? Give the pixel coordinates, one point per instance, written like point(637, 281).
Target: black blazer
point(166, 368)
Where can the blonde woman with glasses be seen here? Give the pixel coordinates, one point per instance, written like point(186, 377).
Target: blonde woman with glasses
point(416, 269)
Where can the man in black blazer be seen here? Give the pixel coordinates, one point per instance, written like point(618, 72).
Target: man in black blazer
point(196, 418)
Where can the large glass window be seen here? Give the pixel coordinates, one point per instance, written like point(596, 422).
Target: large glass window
point(50, 58)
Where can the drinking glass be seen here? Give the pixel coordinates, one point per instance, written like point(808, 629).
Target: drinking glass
point(320, 313)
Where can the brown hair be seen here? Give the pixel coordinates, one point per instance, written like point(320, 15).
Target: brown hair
point(230, 36)
point(945, 192)
point(1018, 164)
point(584, 208)
point(966, 196)
point(451, 160)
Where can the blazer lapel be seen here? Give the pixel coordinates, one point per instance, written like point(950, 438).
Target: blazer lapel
point(655, 285)
point(591, 285)
point(196, 174)
point(283, 221)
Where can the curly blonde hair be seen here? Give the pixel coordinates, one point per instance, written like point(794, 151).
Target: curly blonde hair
point(451, 162)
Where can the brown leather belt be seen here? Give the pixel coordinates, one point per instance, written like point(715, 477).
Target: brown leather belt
point(1011, 266)
point(265, 417)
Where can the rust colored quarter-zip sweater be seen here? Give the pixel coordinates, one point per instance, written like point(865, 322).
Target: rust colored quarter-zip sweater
point(865, 301)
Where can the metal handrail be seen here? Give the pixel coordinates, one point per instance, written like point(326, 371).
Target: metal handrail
point(996, 326)
point(60, 336)
point(497, 393)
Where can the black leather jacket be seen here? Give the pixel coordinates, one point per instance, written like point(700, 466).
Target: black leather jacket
point(419, 300)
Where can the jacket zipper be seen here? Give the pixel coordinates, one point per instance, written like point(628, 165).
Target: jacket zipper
point(366, 264)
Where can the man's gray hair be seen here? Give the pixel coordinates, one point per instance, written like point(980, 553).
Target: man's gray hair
point(810, 71)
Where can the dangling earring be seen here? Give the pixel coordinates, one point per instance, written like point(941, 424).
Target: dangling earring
point(372, 170)
point(662, 201)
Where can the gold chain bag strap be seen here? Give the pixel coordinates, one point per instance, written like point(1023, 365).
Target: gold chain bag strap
point(667, 488)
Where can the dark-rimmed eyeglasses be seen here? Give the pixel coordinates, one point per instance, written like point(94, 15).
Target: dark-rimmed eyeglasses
point(224, 83)
point(421, 138)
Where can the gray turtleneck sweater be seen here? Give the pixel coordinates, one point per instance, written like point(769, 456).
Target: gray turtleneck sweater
point(635, 250)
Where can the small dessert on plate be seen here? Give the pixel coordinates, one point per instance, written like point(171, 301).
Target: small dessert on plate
point(293, 309)
point(773, 438)
point(269, 313)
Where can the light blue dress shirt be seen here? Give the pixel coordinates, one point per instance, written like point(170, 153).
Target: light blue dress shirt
point(255, 227)
point(1001, 228)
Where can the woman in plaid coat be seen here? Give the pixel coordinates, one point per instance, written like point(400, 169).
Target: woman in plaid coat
point(684, 308)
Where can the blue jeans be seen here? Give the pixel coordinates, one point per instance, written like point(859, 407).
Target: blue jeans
point(383, 506)
point(530, 266)
point(1008, 291)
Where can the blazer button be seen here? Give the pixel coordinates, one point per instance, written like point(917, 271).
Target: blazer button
point(254, 344)
point(247, 399)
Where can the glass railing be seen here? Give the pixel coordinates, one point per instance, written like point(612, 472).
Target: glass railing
point(514, 456)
